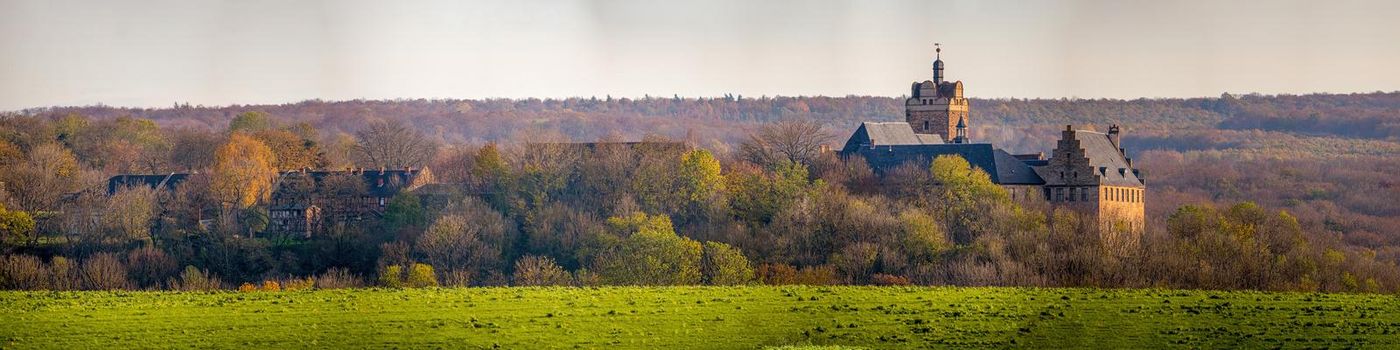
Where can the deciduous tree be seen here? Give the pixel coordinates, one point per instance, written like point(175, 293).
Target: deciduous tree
point(243, 171)
point(393, 145)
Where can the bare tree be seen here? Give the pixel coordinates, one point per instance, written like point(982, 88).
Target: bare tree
point(793, 140)
point(392, 145)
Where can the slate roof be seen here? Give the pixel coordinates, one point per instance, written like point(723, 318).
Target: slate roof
point(1002, 167)
point(379, 183)
point(887, 134)
point(1112, 166)
point(157, 181)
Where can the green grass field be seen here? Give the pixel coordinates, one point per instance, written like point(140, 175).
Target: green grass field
point(700, 317)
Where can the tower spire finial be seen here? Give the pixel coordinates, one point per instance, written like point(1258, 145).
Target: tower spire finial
point(938, 63)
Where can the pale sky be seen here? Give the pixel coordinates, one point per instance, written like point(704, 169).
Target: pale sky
point(156, 53)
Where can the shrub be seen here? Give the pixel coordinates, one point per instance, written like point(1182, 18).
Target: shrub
point(247, 287)
point(62, 274)
point(420, 276)
point(194, 279)
point(777, 274)
point(338, 278)
point(457, 278)
point(148, 267)
point(823, 275)
point(651, 254)
point(22, 272)
point(391, 276)
point(103, 271)
point(540, 271)
point(881, 279)
point(722, 265)
point(585, 278)
point(271, 286)
point(296, 284)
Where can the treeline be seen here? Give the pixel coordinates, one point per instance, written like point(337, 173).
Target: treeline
point(1346, 199)
point(724, 119)
point(776, 210)
point(1375, 115)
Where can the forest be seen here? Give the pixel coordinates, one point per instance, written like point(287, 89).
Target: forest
point(1244, 192)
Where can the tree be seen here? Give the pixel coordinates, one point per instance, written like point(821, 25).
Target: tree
point(651, 253)
point(722, 265)
point(699, 177)
point(533, 270)
point(37, 184)
point(253, 220)
point(756, 196)
point(193, 149)
point(923, 239)
point(291, 150)
point(404, 210)
point(16, 227)
point(797, 141)
point(965, 193)
point(472, 236)
point(130, 213)
point(250, 122)
point(393, 145)
point(561, 232)
point(243, 171)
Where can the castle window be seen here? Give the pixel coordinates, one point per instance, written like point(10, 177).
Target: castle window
point(925, 125)
point(1059, 194)
point(1084, 194)
point(1072, 190)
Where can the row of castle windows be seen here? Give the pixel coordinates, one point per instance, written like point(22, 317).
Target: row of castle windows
point(1120, 194)
point(1081, 194)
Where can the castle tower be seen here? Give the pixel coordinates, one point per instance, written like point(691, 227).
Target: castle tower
point(936, 106)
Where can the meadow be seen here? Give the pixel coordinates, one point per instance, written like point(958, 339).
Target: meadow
point(699, 317)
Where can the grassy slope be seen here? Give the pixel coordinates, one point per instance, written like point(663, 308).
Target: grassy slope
point(699, 317)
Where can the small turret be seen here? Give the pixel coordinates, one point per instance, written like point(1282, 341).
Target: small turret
point(961, 131)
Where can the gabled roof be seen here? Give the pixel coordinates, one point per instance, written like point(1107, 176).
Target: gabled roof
point(887, 134)
point(1107, 160)
point(1002, 167)
point(380, 183)
point(155, 181)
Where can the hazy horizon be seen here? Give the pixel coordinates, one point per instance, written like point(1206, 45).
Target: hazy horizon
point(156, 53)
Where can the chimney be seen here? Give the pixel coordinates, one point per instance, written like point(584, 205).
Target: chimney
point(1113, 136)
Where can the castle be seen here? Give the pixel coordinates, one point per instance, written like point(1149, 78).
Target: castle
point(1088, 171)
